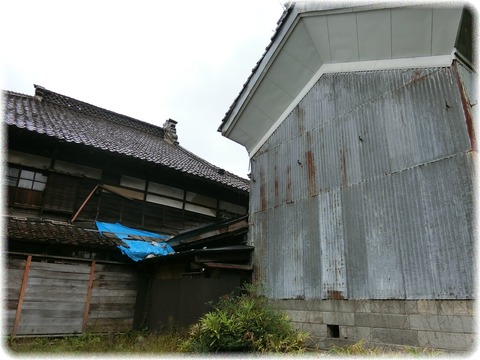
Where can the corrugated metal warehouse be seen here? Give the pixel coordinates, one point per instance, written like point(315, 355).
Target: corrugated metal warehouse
point(359, 125)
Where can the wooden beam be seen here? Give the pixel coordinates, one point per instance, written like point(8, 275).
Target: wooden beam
point(22, 295)
point(89, 296)
point(228, 266)
point(84, 203)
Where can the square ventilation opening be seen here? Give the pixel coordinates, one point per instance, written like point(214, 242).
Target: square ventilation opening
point(333, 331)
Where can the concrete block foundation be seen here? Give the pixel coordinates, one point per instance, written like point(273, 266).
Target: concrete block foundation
point(447, 325)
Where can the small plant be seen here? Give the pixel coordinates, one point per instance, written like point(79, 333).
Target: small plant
point(244, 323)
point(358, 348)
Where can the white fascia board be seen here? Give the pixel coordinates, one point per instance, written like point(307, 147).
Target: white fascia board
point(406, 63)
point(301, 9)
point(267, 60)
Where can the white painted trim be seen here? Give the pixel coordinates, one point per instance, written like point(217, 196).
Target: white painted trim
point(406, 63)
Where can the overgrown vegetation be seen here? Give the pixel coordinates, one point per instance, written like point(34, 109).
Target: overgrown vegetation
point(132, 342)
point(244, 323)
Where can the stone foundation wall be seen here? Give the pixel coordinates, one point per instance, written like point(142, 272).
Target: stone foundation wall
point(438, 324)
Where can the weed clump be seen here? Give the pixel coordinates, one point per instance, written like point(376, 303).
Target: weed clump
point(244, 323)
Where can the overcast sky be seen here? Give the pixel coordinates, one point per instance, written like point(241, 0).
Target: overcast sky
point(151, 60)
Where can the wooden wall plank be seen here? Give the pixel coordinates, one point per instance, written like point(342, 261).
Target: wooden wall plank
point(15, 274)
point(52, 274)
point(59, 283)
point(54, 299)
point(109, 306)
point(47, 305)
point(56, 289)
point(48, 327)
point(116, 285)
point(108, 292)
point(52, 313)
point(62, 267)
point(105, 299)
point(115, 276)
point(15, 263)
point(112, 314)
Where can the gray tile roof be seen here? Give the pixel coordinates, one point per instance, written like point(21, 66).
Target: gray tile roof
point(75, 121)
point(49, 232)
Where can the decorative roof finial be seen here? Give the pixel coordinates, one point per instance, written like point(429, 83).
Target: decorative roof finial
point(171, 131)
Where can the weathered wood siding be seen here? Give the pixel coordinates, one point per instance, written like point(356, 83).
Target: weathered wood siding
point(47, 296)
point(112, 303)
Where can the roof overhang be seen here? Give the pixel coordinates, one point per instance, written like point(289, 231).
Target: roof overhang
point(314, 39)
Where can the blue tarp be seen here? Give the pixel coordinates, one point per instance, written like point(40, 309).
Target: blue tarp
point(138, 249)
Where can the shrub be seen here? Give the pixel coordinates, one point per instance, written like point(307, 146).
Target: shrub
point(244, 323)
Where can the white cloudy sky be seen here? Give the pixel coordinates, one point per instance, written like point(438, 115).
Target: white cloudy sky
point(151, 60)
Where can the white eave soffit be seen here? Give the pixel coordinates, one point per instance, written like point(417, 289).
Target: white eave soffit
point(311, 44)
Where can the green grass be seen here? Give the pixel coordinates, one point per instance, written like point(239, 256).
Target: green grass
point(361, 348)
point(133, 342)
point(158, 344)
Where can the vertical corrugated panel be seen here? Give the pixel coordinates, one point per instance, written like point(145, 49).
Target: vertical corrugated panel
point(308, 231)
point(384, 268)
point(332, 245)
point(258, 237)
point(356, 255)
point(448, 195)
point(408, 234)
point(360, 180)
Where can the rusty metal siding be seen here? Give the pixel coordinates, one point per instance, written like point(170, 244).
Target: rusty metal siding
point(409, 234)
point(365, 190)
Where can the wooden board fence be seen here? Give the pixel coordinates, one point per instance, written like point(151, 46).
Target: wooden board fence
point(51, 296)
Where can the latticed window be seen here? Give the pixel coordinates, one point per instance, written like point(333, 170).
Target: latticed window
point(25, 187)
point(26, 179)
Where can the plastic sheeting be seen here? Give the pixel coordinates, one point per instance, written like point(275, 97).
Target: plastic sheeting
point(137, 249)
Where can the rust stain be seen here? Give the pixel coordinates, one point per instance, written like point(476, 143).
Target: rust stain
point(343, 168)
point(311, 170)
point(335, 295)
point(466, 109)
point(418, 75)
point(263, 199)
point(311, 173)
point(289, 198)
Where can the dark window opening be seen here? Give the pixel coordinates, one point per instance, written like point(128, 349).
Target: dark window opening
point(333, 331)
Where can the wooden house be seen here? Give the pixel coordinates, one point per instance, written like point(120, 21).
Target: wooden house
point(71, 165)
point(359, 122)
